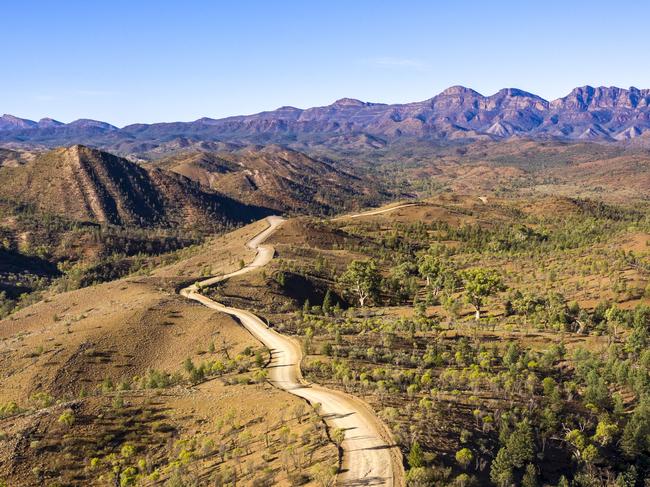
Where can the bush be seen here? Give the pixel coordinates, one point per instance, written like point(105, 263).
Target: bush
point(8, 409)
point(127, 450)
point(156, 379)
point(327, 349)
point(464, 457)
point(41, 400)
point(67, 418)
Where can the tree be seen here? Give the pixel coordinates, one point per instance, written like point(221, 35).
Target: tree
point(479, 285)
point(639, 339)
point(463, 480)
point(127, 450)
point(451, 306)
point(520, 446)
point(197, 375)
point(400, 283)
point(416, 457)
point(615, 317)
point(518, 450)
point(605, 432)
point(260, 376)
point(338, 435)
point(361, 279)
point(419, 477)
point(188, 365)
point(636, 435)
point(578, 440)
point(589, 454)
point(309, 335)
point(628, 478)
point(530, 476)
point(327, 303)
point(430, 268)
point(325, 475)
point(501, 469)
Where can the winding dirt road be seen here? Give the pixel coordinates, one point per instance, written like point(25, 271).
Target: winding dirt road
point(369, 458)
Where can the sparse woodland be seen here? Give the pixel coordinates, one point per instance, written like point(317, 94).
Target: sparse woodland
point(502, 354)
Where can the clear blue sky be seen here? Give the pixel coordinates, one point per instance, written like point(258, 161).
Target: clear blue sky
point(147, 61)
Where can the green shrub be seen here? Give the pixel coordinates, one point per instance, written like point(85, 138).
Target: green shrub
point(67, 418)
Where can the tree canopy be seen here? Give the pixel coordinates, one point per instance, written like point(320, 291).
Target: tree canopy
point(361, 280)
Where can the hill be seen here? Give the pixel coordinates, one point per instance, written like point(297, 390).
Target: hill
point(278, 178)
point(89, 185)
point(96, 387)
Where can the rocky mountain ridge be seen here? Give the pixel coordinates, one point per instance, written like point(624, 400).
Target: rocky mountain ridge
point(602, 114)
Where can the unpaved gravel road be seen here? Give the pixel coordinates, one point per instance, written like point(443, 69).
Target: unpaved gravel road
point(373, 212)
point(369, 458)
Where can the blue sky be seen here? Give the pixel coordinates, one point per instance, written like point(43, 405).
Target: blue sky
point(147, 61)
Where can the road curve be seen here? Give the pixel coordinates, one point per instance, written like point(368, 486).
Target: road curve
point(369, 458)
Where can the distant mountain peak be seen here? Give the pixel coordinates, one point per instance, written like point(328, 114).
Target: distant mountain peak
point(8, 116)
point(349, 102)
point(89, 123)
point(79, 148)
point(49, 122)
point(604, 97)
point(516, 92)
point(11, 122)
point(205, 120)
point(459, 90)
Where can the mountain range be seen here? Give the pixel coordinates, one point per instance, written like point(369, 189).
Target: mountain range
point(603, 114)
